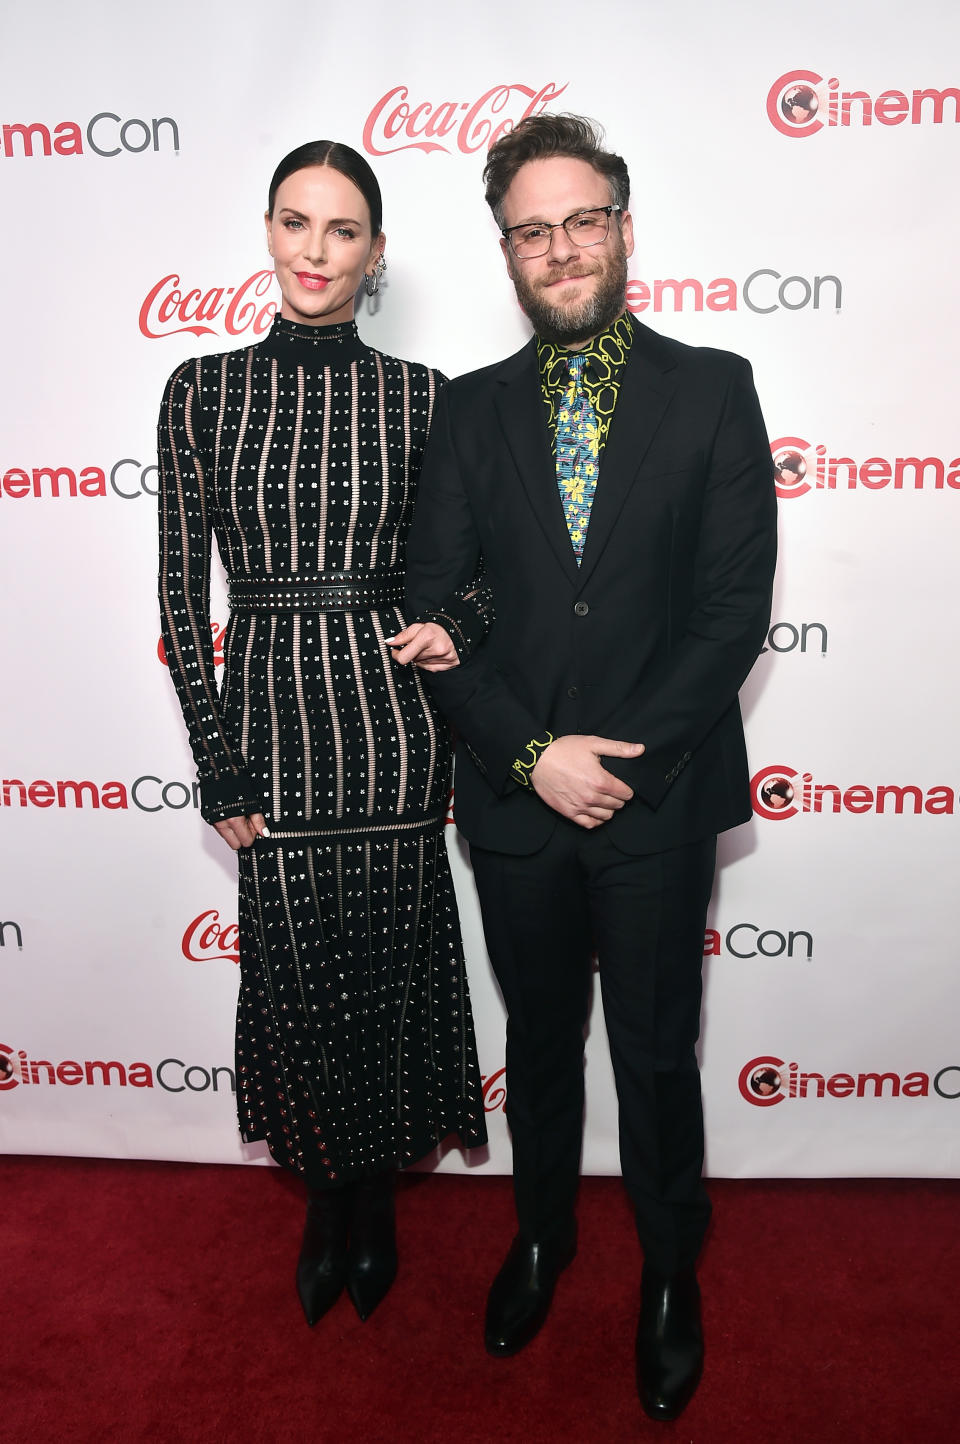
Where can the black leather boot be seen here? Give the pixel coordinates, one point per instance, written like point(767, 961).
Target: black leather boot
point(520, 1296)
point(322, 1265)
point(372, 1258)
point(669, 1342)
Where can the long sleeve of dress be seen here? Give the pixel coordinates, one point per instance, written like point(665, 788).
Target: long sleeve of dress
point(226, 790)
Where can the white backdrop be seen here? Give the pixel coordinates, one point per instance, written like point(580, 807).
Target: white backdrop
point(820, 242)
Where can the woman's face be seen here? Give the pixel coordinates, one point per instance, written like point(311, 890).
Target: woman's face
point(320, 241)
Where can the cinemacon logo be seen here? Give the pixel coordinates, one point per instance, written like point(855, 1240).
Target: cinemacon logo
point(764, 291)
point(128, 479)
point(766, 1081)
point(396, 123)
point(801, 103)
point(780, 792)
point(747, 940)
point(106, 134)
point(147, 794)
point(173, 1075)
point(803, 466)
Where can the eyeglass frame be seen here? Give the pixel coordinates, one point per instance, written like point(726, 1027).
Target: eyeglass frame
point(551, 226)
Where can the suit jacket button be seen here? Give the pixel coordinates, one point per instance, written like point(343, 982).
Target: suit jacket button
point(573, 691)
point(581, 609)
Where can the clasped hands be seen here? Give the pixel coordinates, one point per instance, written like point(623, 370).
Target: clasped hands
point(570, 778)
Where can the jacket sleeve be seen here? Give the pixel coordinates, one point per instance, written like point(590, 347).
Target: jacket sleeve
point(466, 614)
point(443, 560)
point(727, 623)
point(226, 790)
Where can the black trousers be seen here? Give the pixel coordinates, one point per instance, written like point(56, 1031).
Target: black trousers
point(543, 915)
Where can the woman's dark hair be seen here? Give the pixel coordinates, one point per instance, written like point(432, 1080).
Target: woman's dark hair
point(338, 157)
point(540, 137)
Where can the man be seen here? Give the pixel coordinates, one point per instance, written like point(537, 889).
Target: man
point(618, 488)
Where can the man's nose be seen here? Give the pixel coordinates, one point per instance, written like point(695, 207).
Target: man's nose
point(561, 247)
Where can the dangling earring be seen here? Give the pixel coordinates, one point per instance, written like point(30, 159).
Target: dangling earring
point(371, 283)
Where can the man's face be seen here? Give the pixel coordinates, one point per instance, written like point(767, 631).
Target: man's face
point(570, 294)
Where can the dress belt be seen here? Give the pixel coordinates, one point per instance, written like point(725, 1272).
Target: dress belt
point(326, 592)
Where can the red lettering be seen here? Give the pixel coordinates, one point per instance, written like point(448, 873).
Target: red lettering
point(182, 311)
point(211, 304)
point(67, 139)
point(168, 307)
point(891, 107)
point(392, 118)
point(494, 1096)
point(205, 938)
point(160, 306)
point(875, 473)
point(443, 120)
point(16, 482)
point(391, 125)
point(242, 314)
point(476, 129)
point(414, 116)
point(638, 295)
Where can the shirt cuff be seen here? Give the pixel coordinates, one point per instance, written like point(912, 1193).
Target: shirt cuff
point(524, 764)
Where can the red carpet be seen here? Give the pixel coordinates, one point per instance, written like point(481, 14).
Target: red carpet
point(154, 1301)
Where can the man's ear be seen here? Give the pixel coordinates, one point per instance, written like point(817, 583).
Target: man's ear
point(626, 230)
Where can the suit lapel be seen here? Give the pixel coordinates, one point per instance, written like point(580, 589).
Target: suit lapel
point(520, 408)
point(646, 391)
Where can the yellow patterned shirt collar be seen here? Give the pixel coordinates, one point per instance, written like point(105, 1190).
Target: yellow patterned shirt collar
point(606, 356)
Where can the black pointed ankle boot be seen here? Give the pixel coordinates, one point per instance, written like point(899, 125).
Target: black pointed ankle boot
point(322, 1265)
point(372, 1257)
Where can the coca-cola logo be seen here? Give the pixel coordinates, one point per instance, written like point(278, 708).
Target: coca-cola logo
point(207, 939)
point(168, 310)
point(494, 1090)
point(396, 124)
point(218, 631)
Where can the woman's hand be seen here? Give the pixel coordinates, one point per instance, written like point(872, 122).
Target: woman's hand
point(425, 644)
point(242, 831)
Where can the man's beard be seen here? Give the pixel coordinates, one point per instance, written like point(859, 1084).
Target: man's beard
point(565, 325)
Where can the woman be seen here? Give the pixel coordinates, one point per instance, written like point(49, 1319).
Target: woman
point(321, 762)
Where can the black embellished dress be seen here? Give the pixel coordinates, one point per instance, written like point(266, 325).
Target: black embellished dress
point(355, 1048)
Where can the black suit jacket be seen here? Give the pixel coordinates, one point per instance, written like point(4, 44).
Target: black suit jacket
point(650, 639)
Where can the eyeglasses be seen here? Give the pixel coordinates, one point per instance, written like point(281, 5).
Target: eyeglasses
point(583, 228)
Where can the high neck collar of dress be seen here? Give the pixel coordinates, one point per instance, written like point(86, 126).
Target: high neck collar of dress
point(339, 344)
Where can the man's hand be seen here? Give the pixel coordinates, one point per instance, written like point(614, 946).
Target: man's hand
point(569, 778)
point(242, 831)
point(426, 645)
